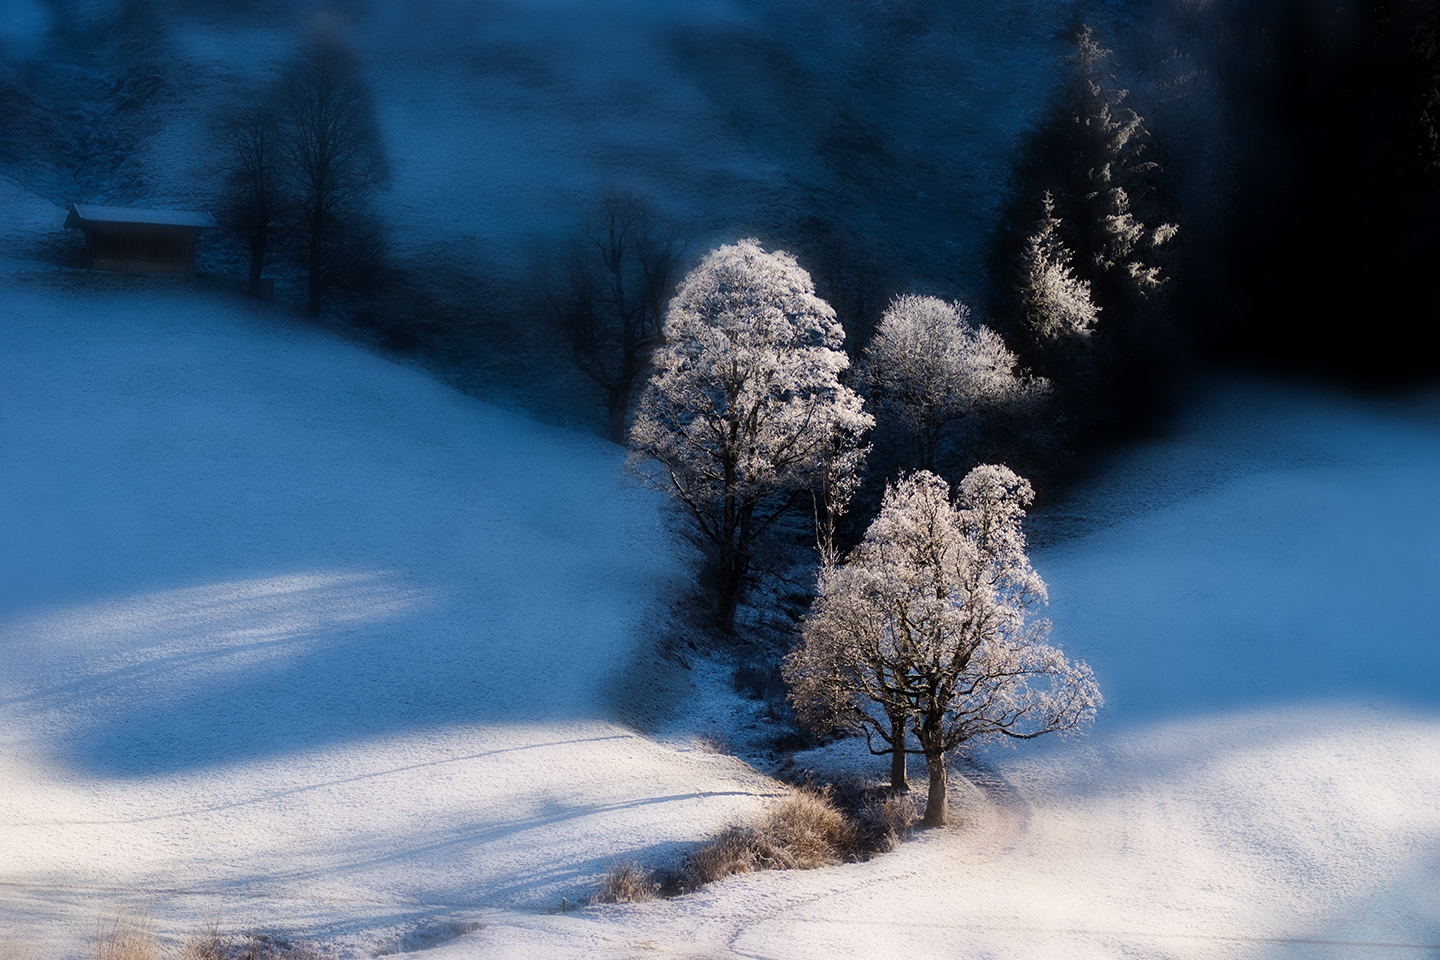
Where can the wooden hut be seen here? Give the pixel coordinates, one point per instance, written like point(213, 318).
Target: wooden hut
point(146, 241)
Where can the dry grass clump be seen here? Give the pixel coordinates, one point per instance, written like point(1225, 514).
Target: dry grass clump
point(206, 945)
point(810, 828)
point(126, 936)
point(210, 945)
point(261, 946)
point(882, 817)
point(714, 743)
point(806, 831)
point(730, 853)
point(627, 882)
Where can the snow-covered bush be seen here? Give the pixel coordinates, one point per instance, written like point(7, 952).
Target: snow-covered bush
point(745, 412)
point(926, 630)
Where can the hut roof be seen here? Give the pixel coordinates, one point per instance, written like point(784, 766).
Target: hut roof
point(81, 214)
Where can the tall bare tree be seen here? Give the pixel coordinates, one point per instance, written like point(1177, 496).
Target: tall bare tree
point(249, 138)
point(611, 298)
point(333, 152)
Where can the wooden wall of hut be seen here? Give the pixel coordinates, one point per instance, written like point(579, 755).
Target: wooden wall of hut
point(147, 248)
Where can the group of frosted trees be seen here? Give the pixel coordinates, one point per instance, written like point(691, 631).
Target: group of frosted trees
point(923, 634)
point(924, 637)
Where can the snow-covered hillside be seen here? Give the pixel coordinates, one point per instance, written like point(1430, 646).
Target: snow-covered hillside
point(293, 636)
point(1258, 599)
point(298, 638)
point(503, 119)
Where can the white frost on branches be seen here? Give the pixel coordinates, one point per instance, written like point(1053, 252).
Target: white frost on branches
point(745, 410)
point(1055, 305)
point(926, 630)
point(929, 365)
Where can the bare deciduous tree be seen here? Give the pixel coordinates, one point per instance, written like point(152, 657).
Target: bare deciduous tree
point(926, 631)
point(249, 136)
point(334, 155)
point(745, 405)
point(610, 301)
point(853, 275)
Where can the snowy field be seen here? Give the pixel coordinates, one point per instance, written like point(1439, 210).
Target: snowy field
point(293, 637)
point(1259, 600)
point(298, 638)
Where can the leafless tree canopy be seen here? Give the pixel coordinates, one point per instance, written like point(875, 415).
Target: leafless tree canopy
point(250, 139)
point(330, 142)
point(611, 294)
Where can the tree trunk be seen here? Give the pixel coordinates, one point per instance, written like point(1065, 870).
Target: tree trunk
point(619, 406)
point(935, 802)
point(733, 569)
point(317, 229)
point(258, 238)
point(899, 781)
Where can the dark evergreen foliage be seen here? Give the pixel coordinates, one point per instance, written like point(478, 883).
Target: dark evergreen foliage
point(1333, 249)
point(1086, 205)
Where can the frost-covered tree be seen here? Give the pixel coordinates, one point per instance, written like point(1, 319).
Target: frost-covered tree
point(926, 631)
point(1055, 306)
point(929, 366)
point(1081, 262)
point(745, 411)
point(1112, 166)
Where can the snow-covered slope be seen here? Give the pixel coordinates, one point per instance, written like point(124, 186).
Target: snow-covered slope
point(1259, 601)
point(505, 118)
point(295, 637)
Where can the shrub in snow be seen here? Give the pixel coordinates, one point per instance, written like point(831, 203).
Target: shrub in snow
point(926, 631)
point(627, 882)
point(745, 412)
point(806, 831)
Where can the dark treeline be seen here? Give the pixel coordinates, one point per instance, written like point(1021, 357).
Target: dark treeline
point(1332, 249)
point(304, 158)
point(1300, 139)
point(1249, 183)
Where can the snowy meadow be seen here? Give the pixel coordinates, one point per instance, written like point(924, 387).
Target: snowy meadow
point(296, 637)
